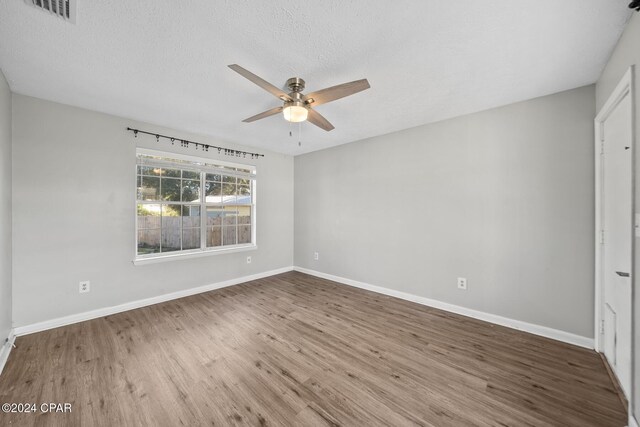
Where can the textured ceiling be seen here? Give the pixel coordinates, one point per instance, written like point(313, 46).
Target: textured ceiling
point(165, 62)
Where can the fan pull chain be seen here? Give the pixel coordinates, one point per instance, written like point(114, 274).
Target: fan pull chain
point(299, 134)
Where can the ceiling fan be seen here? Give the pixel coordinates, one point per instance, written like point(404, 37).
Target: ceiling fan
point(297, 107)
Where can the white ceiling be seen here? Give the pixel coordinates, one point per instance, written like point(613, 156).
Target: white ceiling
point(165, 61)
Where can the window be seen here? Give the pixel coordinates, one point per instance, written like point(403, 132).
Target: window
point(188, 205)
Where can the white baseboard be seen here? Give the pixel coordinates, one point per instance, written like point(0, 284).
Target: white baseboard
point(106, 311)
point(6, 349)
point(492, 318)
point(544, 331)
point(632, 420)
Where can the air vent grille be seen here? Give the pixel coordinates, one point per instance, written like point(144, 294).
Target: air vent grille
point(65, 9)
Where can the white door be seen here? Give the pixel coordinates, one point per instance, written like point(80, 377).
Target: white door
point(616, 221)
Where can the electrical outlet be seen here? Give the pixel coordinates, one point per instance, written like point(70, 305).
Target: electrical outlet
point(462, 283)
point(248, 260)
point(84, 287)
point(316, 256)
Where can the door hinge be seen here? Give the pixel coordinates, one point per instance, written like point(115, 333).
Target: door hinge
point(602, 326)
point(602, 237)
point(602, 131)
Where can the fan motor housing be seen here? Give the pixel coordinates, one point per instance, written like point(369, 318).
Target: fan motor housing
point(295, 84)
point(297, 98)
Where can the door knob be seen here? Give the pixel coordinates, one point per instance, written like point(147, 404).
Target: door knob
point(622, 274)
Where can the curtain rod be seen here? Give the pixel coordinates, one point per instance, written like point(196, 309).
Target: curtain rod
point(204, 147)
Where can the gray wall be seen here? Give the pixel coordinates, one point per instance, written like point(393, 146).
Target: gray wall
point(5, 209)
point(502, 197)
point(74, 210)
point(627, 53)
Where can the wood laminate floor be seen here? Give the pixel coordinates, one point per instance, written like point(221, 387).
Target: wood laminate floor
point(296, 350)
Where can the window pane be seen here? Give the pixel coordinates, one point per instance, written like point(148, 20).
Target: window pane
point(191, 216)
point(244, 215)
point(171, 189)
point(190, 191)
point(214, 177)
point(148, 216)
point(230, 216)
point(244, 224)
point(214, 229)
point(212, 189)
point(244, 234)
point(214, 236)
point(190, 227)
point(244, 195)
point(150, 171)
point(229, 235)
point(171, 228)
point(190, 175)
point(243, 181)
point(229, 201)
point(148, 241)
point(169, 212)
point(229, 222)
point(170, 239)
point(191, 238)
point(230, 179)
point(228, 189)
point(150, 189)
point(214, 215)
point(173, 173)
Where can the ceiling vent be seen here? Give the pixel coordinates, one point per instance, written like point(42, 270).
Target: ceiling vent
point(65, 9)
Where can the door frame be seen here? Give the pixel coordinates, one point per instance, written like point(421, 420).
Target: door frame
point(624, 88)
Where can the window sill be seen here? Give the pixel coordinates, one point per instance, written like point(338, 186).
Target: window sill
point(210, 252)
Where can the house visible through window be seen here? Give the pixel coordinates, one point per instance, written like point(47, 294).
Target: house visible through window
point(191, 205)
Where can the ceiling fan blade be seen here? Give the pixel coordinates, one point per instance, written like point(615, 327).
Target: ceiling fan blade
point(318, 120)
point(278, 93)
point(264, 114)
point(336, 92)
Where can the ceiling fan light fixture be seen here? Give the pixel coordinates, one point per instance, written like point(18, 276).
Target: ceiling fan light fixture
point(295, 113)
point(297, 106)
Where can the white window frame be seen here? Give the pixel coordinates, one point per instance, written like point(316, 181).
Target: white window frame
point(204, 165)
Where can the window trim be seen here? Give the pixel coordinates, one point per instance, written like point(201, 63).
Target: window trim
point(203, 250)
point(172, 256)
